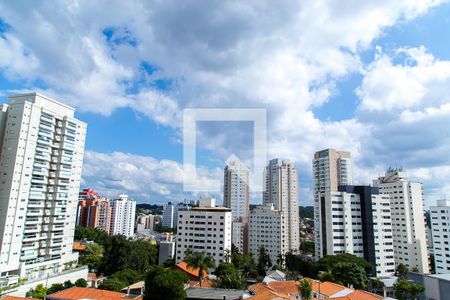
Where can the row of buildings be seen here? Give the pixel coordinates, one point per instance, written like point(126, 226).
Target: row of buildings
point(383, 223)
point(114, 216)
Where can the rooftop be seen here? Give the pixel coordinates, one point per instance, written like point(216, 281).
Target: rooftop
point(213, 293)
point(76, 293)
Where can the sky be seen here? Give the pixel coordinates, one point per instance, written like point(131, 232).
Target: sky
point(369, 77)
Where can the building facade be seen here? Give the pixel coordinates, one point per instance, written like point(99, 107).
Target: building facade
point(93, 211)
point(123, 210)
point(145, 222)
point(265, 230)
point(440, 224)
point(169, 215)
point(207, 229)
point(42, 147)
point(331, 169)
point(357, 220)
point(281, 191)
point(408, 220)
point(236, 197)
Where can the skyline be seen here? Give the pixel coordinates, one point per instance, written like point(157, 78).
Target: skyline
point(373, 83)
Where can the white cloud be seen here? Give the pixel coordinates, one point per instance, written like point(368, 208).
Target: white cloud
point(144, 178)
point(286, 58)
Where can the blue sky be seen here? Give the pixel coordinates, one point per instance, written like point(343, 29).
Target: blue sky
point(371, 78)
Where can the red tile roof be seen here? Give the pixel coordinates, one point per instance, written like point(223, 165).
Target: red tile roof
point(15, 298)
point(76, 293)
point(190, 271)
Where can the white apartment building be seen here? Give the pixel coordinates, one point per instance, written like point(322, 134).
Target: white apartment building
point(42, 147)
point(236, 197)
point(357, 220)
point(169, 215)
point(281, 191)
point(440, 224)
point(408, 220)
point(265, 230)
point(206, 228)
point(122, 216)
point(331, 169)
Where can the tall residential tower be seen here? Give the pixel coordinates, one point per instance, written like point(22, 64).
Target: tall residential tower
point(281, 191)
point(42, 147)
point(236, 197)
point(408, 220)
point(331, 169)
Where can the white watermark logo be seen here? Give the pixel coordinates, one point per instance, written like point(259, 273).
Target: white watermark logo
point(191, 183)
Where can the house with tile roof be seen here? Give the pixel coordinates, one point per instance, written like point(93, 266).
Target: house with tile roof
point(277, 290)
point(78, 293)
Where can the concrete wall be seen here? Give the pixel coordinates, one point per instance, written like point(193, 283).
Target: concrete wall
point(72, 275)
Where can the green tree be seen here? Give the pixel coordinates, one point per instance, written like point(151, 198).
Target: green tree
point(128, 276)
point(305, 289)
point(68, 284)
point(401, 271)
point(326, 262)
point(56, 287)
point(165, 284)
point(92, 256)
point(39, 292)
point(201, 261)
point(90, 234)
point(350, 274)
point(228, 277)
point(115, 256)
point(407, 290)
point(169, 263)
point(81, 282)
point(264, 261)
point(112, 284)
point(295, 263)
point(307, 247)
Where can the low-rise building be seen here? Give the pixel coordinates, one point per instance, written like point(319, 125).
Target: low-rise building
point(166, 251)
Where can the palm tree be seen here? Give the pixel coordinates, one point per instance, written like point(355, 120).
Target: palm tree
point(199, 260)
point(305, 289)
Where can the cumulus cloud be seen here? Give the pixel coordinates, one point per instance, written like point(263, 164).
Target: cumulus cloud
point(159, 57)
point(143, 177)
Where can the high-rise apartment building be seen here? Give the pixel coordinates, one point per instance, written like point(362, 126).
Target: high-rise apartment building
point(440, 224)
point(169, 215)
point(265, 230)
point(93, 211)
point(331, 169)
point(236, 197)
point(408, 220)
point(122, 216)
point(357, 220)
point(206, 228)
point(281, 191)
point(42, 147)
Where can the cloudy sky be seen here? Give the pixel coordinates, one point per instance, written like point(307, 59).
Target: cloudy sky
point(370, 77)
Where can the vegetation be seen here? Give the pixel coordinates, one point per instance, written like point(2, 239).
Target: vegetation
point(113, 284)
point(149, 208)
point(307, 247)
point(56, 287)
point(407, 290)
point(199, 260)
point(306, 212)
point(401, 271)
point(39, 292)
point(264, 262)
point(164, 284)
point(345, 269)
point(229, 277)
point(92, 256)
point(305, 289)
point(81, 282)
